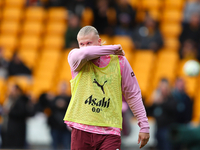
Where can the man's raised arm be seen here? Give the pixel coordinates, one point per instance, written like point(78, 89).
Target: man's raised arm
point(78, 57)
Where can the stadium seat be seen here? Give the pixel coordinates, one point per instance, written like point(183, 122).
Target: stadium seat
point(180, 67)
point(172, 44)
point(32, 28)
point(22, 81)
point(8, 54)
point(87, 17)
point(45, 72)
point(171, 4)
point(143, 63)
point(191, 85)
point(40, 86)
point(29, 42)
point(125, 41)
point(173, 15)
point(134, 3)
point(106, 39)
point(155, 14)
point(14, 3)
point(191, 82)
point(171, 30)
point(29, 57)
point(50, 54)
point(1, 3)
point(53, 42)
point(12, 14)
point(64, 71)
point(35, 14)
point(166, 66)
point(8, 42)
point(57, 14)
point(56, 28)
point(47, 64)
point(2, 90)
point(168, 56)
point(149, 5)
point(196, 108)
point(10, 27)
point(0, 12)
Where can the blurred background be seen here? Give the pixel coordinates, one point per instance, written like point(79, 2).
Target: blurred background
point(158, 37)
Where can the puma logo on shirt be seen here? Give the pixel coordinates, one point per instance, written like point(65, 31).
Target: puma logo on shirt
point(101, 86)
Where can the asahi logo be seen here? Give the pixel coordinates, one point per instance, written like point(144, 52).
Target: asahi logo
point(103, 103)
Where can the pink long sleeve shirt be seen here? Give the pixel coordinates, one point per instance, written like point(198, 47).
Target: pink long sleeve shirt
point(99, 55)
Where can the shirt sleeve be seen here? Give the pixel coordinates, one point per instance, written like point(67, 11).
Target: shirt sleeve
point(132, 94)
point(78, 57)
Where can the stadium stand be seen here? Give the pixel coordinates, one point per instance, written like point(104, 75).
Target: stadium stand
point(38, 35)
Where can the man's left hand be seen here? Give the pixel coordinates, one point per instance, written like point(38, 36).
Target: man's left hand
point(143, 138)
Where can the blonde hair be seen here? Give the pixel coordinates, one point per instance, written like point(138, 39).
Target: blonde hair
point(86, 30)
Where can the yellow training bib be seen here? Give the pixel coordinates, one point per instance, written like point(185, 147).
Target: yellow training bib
point(96, 95)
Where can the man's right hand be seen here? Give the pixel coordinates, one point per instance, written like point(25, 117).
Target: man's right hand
point(120, 51)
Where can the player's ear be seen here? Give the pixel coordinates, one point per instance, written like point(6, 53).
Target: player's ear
point(99, 41)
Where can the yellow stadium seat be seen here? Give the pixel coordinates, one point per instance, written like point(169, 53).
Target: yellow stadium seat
point(196, 108)
point(145, 56)
point(173, 15)
point(14, 3)
point(152, 4)
point(8, 54)
point(171, 30)
point(155, 14)
point(65, 74)
point(1, 3)
point(8, 41)
point(106, 39)
point(171, 43)
point(32, 28)
point(40, 86)
point(35, 14)
point(29, 42)
point(171, 56)
point(53, 42)
point(125, 41)
point(57, 14)
point(161, 72)
point(87, 17)
point(166, 66)
point(12, 14)
point(134, 3)
point(50, 54)
point(10, 27)
point(28, 56)
point(2, 90)
point(45, 69)
point(191, 82)
point(191, 85)
point(171, 4)
point(64, 70)
point(48, 63)
point(180, 67)
point(0, 12)
point(44, 73)
point(56, 28)
point(143, 63)
point(22, 81)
